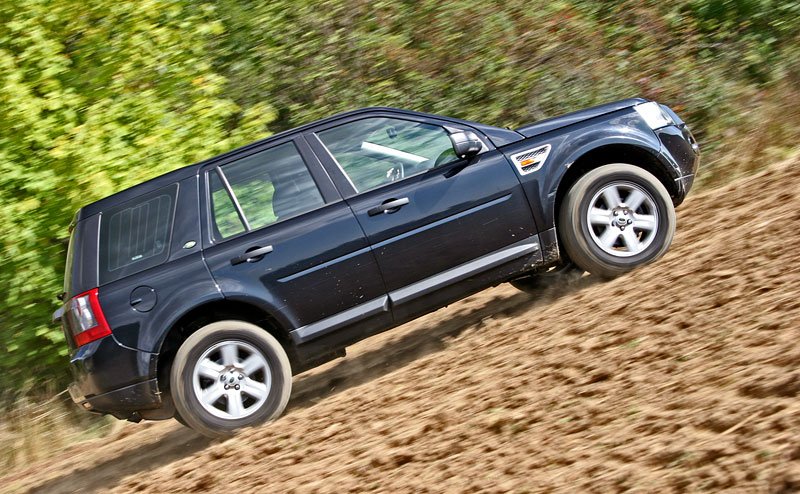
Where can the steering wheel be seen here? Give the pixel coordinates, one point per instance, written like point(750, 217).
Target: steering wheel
point(396, 173)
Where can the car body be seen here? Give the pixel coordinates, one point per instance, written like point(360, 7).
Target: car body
point(359, 238)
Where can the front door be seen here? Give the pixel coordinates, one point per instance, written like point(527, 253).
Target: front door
point(432, 219)
point(277, 242)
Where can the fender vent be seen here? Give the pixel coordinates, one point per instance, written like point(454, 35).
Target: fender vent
point(531, 160)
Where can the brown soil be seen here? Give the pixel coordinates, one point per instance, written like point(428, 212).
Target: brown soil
point(681, 376)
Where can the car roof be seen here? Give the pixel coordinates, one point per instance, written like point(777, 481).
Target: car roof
point(499, 137)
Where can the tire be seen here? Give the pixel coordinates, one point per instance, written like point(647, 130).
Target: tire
point(555, 278)
point(616, 218)
point(180, 419)
point(245, 358)
point(167, 401)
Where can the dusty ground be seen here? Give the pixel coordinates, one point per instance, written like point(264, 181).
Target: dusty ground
point(682, 376)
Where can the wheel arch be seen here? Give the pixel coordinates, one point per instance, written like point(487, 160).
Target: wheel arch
point(207, 313)
point(634, 154)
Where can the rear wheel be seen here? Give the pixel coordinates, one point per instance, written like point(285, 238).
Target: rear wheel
point(229, 375)
point(180, 419)
point(615, 218)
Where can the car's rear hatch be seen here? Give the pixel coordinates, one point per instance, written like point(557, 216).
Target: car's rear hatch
point(80, 274)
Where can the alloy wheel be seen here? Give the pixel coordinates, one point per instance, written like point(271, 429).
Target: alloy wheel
point(622, 219)
point(231, 379)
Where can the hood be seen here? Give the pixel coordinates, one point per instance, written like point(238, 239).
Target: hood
point(543, 126)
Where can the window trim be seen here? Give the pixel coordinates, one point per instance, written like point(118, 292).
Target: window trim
point(336, 162)
point(234, 199)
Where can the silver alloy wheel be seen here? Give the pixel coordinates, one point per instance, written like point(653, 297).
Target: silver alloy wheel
point(232, 379)
point(622, 219)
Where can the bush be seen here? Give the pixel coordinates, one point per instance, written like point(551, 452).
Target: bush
point(100, 95)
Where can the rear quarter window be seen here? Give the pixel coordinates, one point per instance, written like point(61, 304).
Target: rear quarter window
point(135, 235)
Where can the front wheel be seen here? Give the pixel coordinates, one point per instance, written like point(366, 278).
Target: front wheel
point(615, 218)
point(229, 375)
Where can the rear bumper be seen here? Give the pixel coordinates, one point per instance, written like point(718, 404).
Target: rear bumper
point(121, 403)
point(111, 378)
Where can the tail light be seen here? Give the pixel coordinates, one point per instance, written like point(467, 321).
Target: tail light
point(86, 320)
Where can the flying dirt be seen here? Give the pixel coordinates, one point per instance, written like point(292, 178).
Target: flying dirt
point(681, 376)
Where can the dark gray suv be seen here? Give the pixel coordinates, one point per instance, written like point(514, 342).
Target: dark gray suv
point(198, 294)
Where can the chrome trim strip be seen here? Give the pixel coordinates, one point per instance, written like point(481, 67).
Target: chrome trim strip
point(336, 321)
point(322, 327)
point(437, 281)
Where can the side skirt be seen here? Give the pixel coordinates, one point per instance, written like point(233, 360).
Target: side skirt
point(529, 248)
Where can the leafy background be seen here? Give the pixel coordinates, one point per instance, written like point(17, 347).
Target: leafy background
point(99, 95)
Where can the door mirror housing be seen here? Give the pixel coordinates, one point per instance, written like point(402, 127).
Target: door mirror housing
point(466, 144)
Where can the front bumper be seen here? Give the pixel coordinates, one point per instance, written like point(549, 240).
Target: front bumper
point(680, 149)
point(112, 378)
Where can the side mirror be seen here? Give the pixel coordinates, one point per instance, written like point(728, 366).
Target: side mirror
point(466, 144)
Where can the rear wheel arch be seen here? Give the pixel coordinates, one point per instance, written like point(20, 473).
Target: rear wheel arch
point(208, 313)
point(227, 375)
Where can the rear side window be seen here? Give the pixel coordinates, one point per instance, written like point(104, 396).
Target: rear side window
point(268, 186)
point(226, 219)
point(136, 235)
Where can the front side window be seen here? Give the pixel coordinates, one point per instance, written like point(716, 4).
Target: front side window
point(376, 151)
point(269, 186)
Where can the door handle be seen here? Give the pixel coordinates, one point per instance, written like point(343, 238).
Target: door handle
point(253, 254)
point(389, 206)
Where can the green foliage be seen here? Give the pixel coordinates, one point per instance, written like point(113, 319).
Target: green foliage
point(731, 68)
point(97, 96)
point(100, 95)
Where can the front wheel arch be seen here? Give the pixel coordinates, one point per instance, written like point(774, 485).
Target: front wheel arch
point(638, 156)
point(634, 154)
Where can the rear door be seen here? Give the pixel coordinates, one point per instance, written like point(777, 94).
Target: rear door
point(431, 218)
point(279, 235)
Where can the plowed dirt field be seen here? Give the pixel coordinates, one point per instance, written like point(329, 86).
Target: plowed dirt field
point(683, 376)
